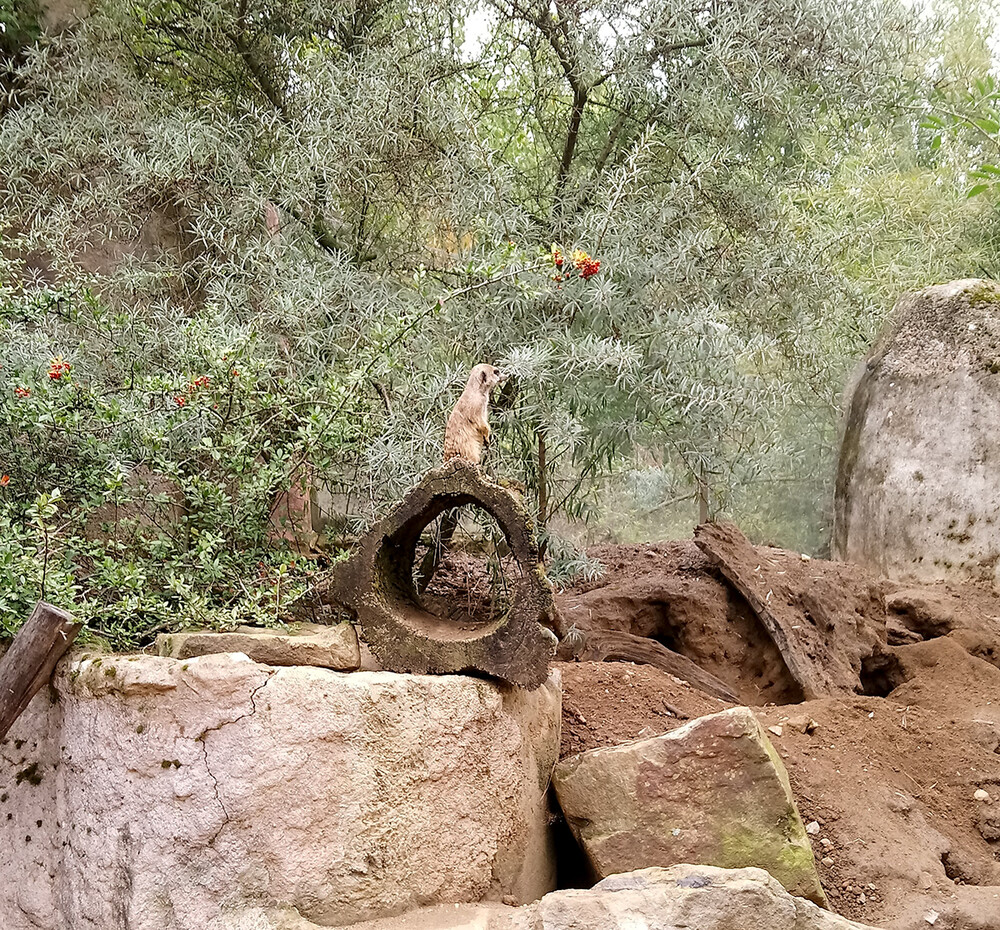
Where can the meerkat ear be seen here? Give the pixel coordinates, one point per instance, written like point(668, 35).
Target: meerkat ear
point(482, 376)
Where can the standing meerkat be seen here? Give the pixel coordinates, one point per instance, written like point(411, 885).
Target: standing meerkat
point(468, 429)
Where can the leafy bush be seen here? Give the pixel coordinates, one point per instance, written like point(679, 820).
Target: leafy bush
point(271, 239)
point(140, 465)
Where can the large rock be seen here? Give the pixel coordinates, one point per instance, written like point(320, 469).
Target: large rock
point(713, 791)
point(157, 794)
point(684, 896)
point(317, 644)
point(918, 483)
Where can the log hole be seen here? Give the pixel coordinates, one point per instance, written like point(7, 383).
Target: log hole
point(463, 571)
point(412, 625)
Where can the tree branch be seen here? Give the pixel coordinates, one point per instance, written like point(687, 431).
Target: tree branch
point(569, 149)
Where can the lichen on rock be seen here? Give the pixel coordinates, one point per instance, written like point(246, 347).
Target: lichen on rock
point(712, 791)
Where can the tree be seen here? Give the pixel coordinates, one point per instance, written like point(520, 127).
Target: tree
point(351, 205)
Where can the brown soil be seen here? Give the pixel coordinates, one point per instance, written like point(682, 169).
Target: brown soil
point(469, 589)
point(889, 777)
point(671, 593)
point(605, 703)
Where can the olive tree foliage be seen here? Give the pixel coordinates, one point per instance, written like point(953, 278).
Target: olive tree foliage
point(332, 211)
point(961, 112)
point(667, 138)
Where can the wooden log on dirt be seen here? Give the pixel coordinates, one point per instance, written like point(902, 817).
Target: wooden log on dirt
point(826, 618)
point(28, 663)
point(615, 646)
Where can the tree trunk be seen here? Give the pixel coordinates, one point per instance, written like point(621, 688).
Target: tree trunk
point(703, 495)
point(543, 495)
point(29, 662)
point(438, 550)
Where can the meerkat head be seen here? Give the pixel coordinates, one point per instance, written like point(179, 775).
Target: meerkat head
point(486, 377)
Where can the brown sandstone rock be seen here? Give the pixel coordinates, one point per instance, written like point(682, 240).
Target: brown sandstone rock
point(713, 791)
point(333, 646)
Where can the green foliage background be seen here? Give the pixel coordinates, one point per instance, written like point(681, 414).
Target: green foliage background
point(332, 211)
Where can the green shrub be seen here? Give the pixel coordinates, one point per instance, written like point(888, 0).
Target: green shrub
point(139, 467)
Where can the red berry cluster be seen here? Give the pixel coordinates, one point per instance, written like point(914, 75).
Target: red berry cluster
point(22, 392)
point(58, 367)
point(583, 265)
point(586, 265)
point(195, 385)
point(4, 481)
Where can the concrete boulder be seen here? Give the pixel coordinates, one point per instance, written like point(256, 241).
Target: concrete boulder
point(334, 646)
point(918, 487)
point(683, 896)
point(713, 791)
point(158, 794)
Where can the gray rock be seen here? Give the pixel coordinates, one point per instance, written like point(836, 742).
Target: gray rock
point(712, 791)
point(918, 487)
point(333, 646)
point(160, 794)
point(683, 896)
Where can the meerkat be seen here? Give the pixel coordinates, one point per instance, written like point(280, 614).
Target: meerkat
point(465, 435)
point(468, 430)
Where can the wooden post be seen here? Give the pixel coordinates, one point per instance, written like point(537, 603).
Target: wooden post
point(29, 662)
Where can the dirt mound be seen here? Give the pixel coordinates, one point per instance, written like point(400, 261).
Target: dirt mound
point(672, 593)
point(826, 618)
point(890, 782)
point(968, 612)
point(773, 627)
point(605, 703)
point(894, 780)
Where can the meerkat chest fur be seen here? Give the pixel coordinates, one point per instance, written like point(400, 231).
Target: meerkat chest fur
point(468, 428)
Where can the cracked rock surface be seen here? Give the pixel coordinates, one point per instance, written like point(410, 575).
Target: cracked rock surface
point(152, 793)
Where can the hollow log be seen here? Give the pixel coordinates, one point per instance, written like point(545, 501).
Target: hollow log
point(28, 663)
point(376, 587)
